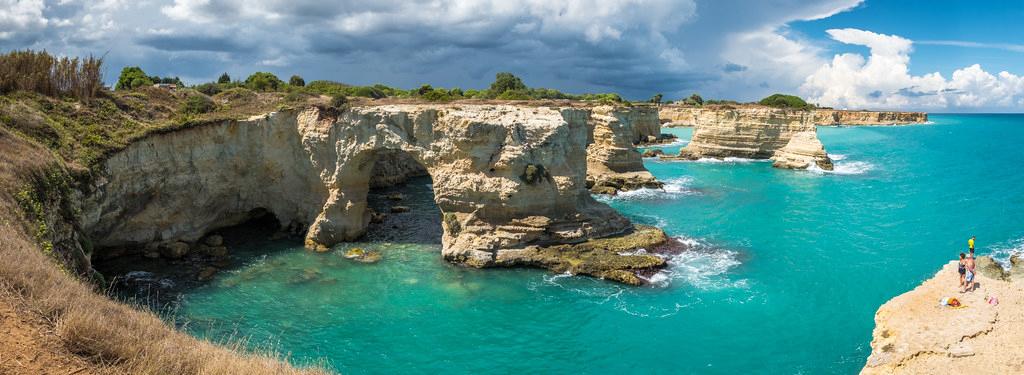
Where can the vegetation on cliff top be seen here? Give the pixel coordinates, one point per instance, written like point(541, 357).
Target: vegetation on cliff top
point(785, 101)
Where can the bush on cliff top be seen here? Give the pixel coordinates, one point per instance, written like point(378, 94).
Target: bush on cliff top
point(785, 101)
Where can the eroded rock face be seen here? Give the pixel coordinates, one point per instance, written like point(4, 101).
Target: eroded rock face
point(313, 168)
point(613, 163)
point(786, 136)
point(803, 151)
point(674, 115)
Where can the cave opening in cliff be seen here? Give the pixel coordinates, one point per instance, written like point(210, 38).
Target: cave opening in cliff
point(401, 201)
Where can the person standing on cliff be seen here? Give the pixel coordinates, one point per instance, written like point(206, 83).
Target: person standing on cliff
point(970, 245)
point(969, 277)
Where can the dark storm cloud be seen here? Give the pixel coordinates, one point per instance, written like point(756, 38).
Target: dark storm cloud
point(191, 43)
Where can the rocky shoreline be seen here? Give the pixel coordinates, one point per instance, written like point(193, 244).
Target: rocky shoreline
point(915, 335)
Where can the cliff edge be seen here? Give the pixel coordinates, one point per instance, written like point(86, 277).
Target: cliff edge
point(915, 335)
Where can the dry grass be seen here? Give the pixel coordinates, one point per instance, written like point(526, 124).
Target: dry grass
point(111, 335)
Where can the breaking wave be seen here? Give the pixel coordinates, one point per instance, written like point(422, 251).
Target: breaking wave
point(1003, 252)
point(844, 168)
point(673, 188)
point(730, 160)
point(702, 266)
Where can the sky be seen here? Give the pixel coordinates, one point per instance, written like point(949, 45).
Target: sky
point(937, 56)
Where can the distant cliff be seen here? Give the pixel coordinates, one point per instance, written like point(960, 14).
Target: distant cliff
point(672, 115)
point(840, 117)
point(788, 137)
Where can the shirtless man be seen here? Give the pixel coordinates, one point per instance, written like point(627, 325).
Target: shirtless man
point(969, 277)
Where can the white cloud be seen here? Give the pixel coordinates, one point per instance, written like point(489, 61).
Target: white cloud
point(882, 80)
point(18, 16)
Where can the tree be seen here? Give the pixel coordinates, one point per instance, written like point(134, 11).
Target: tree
point(423, 90)
point(695, 99)
point(784, 101)
point(263, 81)
point(132, 77)
point(657, 98)
point(296, 81)
point(224, 78)
point(505, 81)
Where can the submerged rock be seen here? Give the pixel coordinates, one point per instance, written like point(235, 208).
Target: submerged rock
point(400, 209)
point(363, 256)
point(174, 250)
point(207, 273)
point(654, 152)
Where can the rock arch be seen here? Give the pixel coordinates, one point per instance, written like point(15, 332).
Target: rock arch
point(505, 177)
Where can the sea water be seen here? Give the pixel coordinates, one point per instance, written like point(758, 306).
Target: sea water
point(787, 270)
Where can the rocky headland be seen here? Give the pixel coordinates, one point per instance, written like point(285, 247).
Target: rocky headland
point(914, 334)
point(511, 182)
point(788, 137)
point(685, 116)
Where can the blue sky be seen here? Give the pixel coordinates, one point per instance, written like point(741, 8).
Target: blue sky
point(928, 55)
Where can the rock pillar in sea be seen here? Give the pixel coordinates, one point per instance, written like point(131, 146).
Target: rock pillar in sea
point(758, 133)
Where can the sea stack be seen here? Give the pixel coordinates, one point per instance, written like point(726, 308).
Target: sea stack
point(758, 133)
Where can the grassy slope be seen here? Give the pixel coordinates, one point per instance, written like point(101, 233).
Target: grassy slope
point(39, 135)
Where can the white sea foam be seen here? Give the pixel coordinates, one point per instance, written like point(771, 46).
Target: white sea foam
point(837, 157)
point(844, 168)
point(1004, 251)
point(730, 160)
point(702, 266)
point(673, 188)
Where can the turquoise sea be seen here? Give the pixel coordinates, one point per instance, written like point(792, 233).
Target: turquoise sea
point(787, 272)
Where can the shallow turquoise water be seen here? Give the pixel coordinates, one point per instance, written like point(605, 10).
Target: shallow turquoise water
point(788, 272)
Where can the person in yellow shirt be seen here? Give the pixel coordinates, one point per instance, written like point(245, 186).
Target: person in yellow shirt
point(970, 244)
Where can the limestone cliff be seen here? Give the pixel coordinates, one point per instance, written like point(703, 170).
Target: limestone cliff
point(674, 115)
point(914, 335)
point(842, 117)
point(504, 177)
point(756, 133)
point(613, 163)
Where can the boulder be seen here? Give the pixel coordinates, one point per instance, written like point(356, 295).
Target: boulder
point(990, 268)
point(399, 209)
point(213, 240)
point(207, 273)
point(214, 251)
point(654, 152)
point(174, 250)
point(363, 256)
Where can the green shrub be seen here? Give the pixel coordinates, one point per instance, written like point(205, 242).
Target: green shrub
point(437, 95)
point(235, 93)
point(224, 78)
point(210, 88)
point(263, 81)
point(197, 104)
point(514, 95)
point(785, 101)
point(296, 81)
point(365, 91)
point(338, 101)
point(132, 77)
